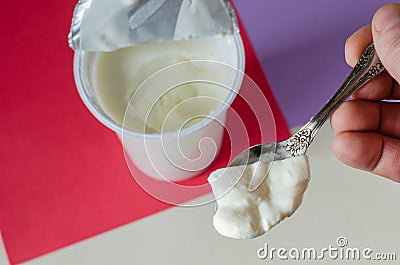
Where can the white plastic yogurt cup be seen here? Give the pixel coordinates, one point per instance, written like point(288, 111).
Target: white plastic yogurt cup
point(164, 156)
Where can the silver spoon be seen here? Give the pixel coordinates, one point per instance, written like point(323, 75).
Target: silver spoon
point(367, 68)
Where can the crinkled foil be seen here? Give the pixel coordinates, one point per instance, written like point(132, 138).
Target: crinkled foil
point(107, 25)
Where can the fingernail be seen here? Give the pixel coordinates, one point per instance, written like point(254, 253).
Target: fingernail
point(387, 17)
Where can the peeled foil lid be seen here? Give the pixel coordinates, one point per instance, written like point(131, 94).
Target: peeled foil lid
point(107, 25)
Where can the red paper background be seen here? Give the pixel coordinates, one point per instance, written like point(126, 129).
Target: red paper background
point(63, 177)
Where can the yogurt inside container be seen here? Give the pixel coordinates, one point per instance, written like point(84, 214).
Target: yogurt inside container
point(161, 74)
point(120, 75)
point(166, 101)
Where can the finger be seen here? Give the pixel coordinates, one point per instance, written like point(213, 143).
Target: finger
point(386, 36)
point(356, 44)
point(369, 151)
point(378, 88)
point(381, 87)
point(356, 115)
point(359, 115)
point(395, 93)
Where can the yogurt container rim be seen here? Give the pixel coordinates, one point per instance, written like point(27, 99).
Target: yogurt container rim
point(118, 128)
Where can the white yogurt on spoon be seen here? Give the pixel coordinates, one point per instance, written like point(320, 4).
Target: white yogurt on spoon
point(248, 214)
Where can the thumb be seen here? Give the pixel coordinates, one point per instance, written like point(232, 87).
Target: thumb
point(386, 36)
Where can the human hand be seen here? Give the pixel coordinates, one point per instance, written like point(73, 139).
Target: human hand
point(367, 127)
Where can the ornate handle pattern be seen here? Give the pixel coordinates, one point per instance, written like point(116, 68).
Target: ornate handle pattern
point(367, 68)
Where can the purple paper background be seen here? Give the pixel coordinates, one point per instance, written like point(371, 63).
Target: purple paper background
point(301, 47)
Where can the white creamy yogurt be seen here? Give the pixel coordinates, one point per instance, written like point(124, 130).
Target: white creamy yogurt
point(158, 106)
point(247, 214)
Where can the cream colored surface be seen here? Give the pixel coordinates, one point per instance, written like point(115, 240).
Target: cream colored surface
point(242, 213)
point(340, 201)
point(3, 254)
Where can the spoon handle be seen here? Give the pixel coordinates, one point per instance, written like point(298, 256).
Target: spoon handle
point(367, 68)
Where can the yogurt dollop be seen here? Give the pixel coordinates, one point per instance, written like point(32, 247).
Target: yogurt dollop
point(242, 213)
